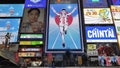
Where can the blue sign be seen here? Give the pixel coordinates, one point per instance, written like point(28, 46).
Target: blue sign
point(35, 4)
point(116, 2)
point(95, 3)
point(11, 26)
point(100, 34)
point(11, 10)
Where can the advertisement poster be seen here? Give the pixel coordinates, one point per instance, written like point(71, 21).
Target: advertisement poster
point(35, 3)
point(11, 26)
point(100, 34)
point(92, 50)
point(11, 10)
point(33, 20)
point(97, 16)
point(64, 27)
point(95, 3)
point(115, 12)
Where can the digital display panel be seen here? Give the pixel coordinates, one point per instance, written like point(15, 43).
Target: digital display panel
point(33, 21)
point(34, 43)
point(11, 10)
point(64, 30)
point(97, 16)
point(100, 34)
point(116, 2)
point(11, 26)
point(95, 3)
point(30, 49)
point(29, 54)
point(115, 12)
point(31, 36)
point(35, 3)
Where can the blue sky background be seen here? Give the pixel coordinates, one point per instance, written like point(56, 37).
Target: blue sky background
point(14, 28)
point(18, 9)
point(72, 38)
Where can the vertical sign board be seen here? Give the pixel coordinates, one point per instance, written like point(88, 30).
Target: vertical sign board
point(100, 34)
point(97, 16)
point(116, 18)
point(64, 30)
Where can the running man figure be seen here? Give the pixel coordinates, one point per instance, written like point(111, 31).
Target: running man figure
point(63, 24)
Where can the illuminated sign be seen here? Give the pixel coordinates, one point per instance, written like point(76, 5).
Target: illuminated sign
point(116, 2)
point(29, 54)
point(37, 23)
point(31, 36)
point(11, 26)
point(61, 36)
point(92, 50)
point(97, 16)
point(11, 10)
point(115, 12)
point(100, 34)
point(35, 3)
point(31, 43)
point(94, 3)
point(30, 49)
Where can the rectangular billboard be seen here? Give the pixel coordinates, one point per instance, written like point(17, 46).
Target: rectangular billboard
point(9, 25)
point(97, 16)
point(115, 9)
point(95, 3)
point(11, 10)
point(35, 3)
point(33, 21)
point(100, 34)
point(63, 27)
point(92, 50)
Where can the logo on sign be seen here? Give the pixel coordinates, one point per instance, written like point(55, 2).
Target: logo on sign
point(35, 1)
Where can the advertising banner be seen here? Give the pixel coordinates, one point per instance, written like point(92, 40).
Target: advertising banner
point(11, 10)
point(97, 16)
point(9, 26)
point(100, 34)
point(64, 27)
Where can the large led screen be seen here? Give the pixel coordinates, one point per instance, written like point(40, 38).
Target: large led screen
point(11, 10)
point(64, 30)
point(100, 34)
point(94, 3)
point(33, 20)
point(116, 2)
point(11, 26)
point(97, 16)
